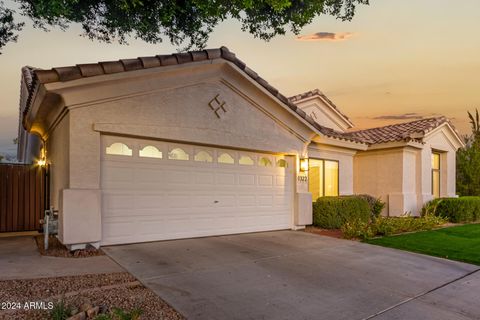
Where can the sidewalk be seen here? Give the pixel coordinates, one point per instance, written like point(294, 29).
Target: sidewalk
point(19, 259)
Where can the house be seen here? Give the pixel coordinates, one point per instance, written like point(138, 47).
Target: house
point(198, 144)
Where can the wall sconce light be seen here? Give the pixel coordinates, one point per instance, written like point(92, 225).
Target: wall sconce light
point(42, 162)
point(303, 164)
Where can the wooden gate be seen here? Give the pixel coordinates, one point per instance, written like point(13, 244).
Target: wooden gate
point(22, 197)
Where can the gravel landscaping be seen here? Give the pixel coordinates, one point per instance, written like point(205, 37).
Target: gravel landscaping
point(57, 249)
point(334, 233)
point(107, 291)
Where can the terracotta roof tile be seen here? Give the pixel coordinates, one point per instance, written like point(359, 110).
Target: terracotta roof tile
point(199, 55)
point(126, 65)
point(90, 69)
point(167, 60)
point(408, 131)
point(150, 62)
point(112, 67)
point(132, 64)
point(183, 57)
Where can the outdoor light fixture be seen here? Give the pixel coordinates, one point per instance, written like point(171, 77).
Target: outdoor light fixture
point(304, 164)
point(42, 162)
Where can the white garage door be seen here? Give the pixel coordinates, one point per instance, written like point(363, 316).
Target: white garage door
point(155, 190)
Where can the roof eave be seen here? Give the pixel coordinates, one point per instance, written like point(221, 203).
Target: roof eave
point(344, 143)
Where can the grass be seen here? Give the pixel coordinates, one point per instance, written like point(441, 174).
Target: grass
point(461, 243)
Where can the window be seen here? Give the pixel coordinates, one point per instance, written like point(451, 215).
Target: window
point(436, 174)
point(225, 158)
point(246, 161)
point(323, 178)
point(150, 152)
point(203, 156)
point(178, 154)
point(264, 162)
point(119, 149)
point(282, 163)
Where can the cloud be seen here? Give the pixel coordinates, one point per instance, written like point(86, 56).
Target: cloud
point(326, 36)
point(404, 116)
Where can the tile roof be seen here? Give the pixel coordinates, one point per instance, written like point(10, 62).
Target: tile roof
point(408, 131)
point(63, 74)
point(317, 92)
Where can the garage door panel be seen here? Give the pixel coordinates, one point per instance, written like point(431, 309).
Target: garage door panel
point(246, 179)
point(264, 180)
point(225, 178)
point(207, 178)
point(158, 199)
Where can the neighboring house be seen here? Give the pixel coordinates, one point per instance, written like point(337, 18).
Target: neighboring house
point(197, 144)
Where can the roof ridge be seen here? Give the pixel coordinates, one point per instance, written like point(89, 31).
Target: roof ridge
point(402, 123)
point(70, 73)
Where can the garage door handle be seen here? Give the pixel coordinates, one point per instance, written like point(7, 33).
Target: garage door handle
point(216, 201)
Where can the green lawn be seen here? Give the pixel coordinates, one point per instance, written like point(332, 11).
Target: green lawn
point(460, 243)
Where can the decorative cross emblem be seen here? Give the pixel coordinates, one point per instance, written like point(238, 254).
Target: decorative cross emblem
point(217, 106)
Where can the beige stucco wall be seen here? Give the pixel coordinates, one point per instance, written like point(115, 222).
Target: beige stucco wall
point(170, 106)
point(345, 163)
point(323, 114)
point(402, 176)
point(58, 150)
point(379, 173)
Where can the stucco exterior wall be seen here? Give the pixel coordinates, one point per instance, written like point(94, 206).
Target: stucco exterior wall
point(402, 176)
point(380, 174)
point(58, 158)
point(322, 115)
point(440, 142)
point(58, 149)
point(173, 110)
point(345, 164)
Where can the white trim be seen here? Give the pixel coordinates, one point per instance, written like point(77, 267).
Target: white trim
point(453, 133)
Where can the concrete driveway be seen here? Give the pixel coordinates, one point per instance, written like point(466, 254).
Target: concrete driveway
point(297, 275)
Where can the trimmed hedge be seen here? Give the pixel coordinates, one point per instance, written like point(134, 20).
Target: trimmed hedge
point(463, 209)
point(333, 212)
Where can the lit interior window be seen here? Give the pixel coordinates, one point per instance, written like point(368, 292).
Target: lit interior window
point(119, 149)
point(436, 175)
point(203, 156)
point(322, 178)
point(178, 154)
point(264, 162)
point(282, 163)
point(150, 152)
point(225, 158)
point(246, 161)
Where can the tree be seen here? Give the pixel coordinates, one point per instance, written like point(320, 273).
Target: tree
point(182, 21)
point(468, 161)
point(8, 27)
point(475, 123)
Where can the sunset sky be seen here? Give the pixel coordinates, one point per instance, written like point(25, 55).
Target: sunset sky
point(397, 60)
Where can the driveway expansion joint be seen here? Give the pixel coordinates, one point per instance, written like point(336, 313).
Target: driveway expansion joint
point(422, 294)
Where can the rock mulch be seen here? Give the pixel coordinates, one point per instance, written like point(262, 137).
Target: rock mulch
point(57, 249)
point(88, 294)
point(334, 233)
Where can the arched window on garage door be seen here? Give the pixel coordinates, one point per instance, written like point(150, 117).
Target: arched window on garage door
point(119, 149)
point(150, 152)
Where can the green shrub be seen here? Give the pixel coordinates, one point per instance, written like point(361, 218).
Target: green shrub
point(376, 205)
point(333, 212)
point(60, 311)
point(463, 209)
point(385, 226)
